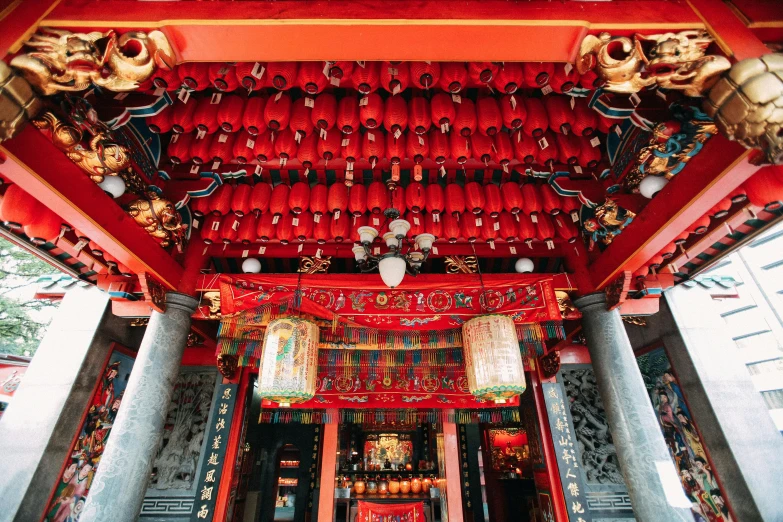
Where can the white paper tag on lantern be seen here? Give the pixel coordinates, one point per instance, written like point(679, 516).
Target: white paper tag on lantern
point(376, 251)
point(317, 218)
point(262, 250)
point(259, 169)
point(349, 175)
point(568, 68)
point(235, 226)
point(573, 102)
point(121, 96)
point(361, 64)
point(223, 70)
point(546, 89)
point(618, 130)
point(215, 225)
point(543, 143)
point(194, 169)
point(442, 171)
point(456, 98)
point(278, 96)
point(298, 137)
point(397, 134)
point(223, 138)
point(478, 222)
point(295, 221)
point(309, 102)
point(512, 250)
point(397, 89)
point(216, 98)
point(184, 95)
point(444, 128)
point(205, 251)
point(505, 168)
point(519, 136)
point(660, 94)
point(283, 161)
point(435, 250)
point(174, 138)
point(349, 165)
point(258, 70)
point(216, 165)
point(81, 244)
point(323, 134)
point(492, 245)
point(318, 253)
point(336, 214)
point(334, 81)
point(159, 91)
point(301, 245)
point(376, 222)
point(196, 224)
point(495, 226)
point(200, 134)
point(371, 136)
point(326, 69)
point(421, 141)
point(345, 142)
point(436, 218)
point(577, 169)
point(416, 221)
point(635, 100)
point(250, 143)
point(595, 141)
point(275, 219)
point(393, 71)
point(364, 101)
point(513, 101)
point(245, 253)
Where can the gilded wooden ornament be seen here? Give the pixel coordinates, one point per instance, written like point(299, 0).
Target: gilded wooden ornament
point(159, 218)
point(747, 105)
point(60, 60)
point(194, 339)
point(461, 264)
point(567, 308)
point(154, 292)
point(18, 103)
point(212, 301)
point(608, 221)
point(670, 60)
point(314, 265)
point(140, 321)
point(550, 363)
point(101, 157)
point(227, 365)
point(636, 320)
point(617, 291)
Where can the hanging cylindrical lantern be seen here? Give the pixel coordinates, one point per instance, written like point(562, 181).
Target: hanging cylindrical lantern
point(303, 226)
point(537, 120)
point(194, 75)
point(547, 153)
point(394, 76)
point(318, 199)
point(278, 201)
point(251, 75)
point(569, 147)
point(311, 78)
point(182, 118)
point(179, 148)
point(590, 80)
point(435, 199)
point(366, 79)
point(283, 74)
point(493, 360)
point(564, 78)
point(443, 111)
point(531, 201)
point(200, 150)
point(299, 197)
point(546, 230)
point(765, 188)
point(525, 147)
point(223, 77)
point(459, 146)
point(395, 114)
point(481, 145)
point(220, 199)
point(550, 200)
point(489, 229)
point(329, 147)
point(507, 227)
point(439, 146)
point(433, 225)
point(337, 198)
point(585, 119)
point(395, 148)
point(348, 114)
point(289, 361)
point(418, 147)
point(285, 145)
point(453, 76)
point(419, 117)
point(503, 151)
point(526, 229)
point(512, 197)
point(469, 227)
point(572, 205)
point(285, 229)
point(241, 199)
point(277, 111)
point(493, 200)
point(351, 147)
point(260, 197)
point(377, 197)
point(264, 146)
point(341, 226)
point(700, 226)
point(455, 199)
point(246, 233)
point(228, 228)
point(301, 122)
point(243, 147)
point(451, 228)
point(324, 114)
point(589, 156)
point(565, 228)
point(45, 226)
point(721, 208)
point(253, 117)
point(559, 113)
point(490, 121)
point(161, 122)
point(371, 110)
point(482, 72)
point(206, 116)
point(373, 146)
point(357, 199)
point(210, 229)
point(265, 230)
point(509, 78)
point(221, 147)
point(415, 196)
point(322, 230)
point(465, 122)
point(424, 74)
point(537, 74)
point(474, 197)
point(200, 206)
point(513, 111)
point(230, 111)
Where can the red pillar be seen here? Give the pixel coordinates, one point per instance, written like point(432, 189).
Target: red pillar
point(453, 474)
point(328, 472)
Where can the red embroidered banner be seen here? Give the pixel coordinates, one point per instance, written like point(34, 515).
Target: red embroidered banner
point(374, 512)
point(430, 303)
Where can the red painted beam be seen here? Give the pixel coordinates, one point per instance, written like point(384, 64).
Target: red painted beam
point(731, 34)
point(377, 30)
point(20, 19)
point(720, 168)
point(31, 161)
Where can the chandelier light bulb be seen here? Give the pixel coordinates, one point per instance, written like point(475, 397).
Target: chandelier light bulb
point(399, 227)
point(424, 241)
point(392, 270)
point(391, 239)
point(367, 234)
point(359, 253)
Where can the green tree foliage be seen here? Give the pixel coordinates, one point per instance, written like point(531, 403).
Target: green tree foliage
point(23, 320)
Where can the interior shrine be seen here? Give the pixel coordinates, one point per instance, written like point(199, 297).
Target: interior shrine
point(388, 261)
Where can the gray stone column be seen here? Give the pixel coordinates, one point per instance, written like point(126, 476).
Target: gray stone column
point(119, 486)
point(652, 482)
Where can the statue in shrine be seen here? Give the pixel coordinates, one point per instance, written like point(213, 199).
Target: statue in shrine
point(64, 61)
point(608, 221)
point(159, 218)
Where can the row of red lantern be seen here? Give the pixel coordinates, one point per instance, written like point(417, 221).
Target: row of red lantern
point(366, 77)
point(339, 199)
point(764, 189)
point(306, 116)
point(376, 146)
point(252, 228)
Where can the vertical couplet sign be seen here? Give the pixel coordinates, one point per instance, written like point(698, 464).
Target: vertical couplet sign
point(566, 452)
point(215, 451)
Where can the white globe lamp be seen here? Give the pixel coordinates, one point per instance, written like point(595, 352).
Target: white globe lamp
point(524, 265)
point(251, 265)
point(651, 185)
point(113, 185)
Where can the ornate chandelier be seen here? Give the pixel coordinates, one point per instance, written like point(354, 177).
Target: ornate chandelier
point(289, 361)
point(401, 258)
point(493, 361)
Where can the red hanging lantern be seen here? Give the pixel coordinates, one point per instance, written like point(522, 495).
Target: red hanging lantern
point(537, 74)
point(489, 229)
point(356, 223)
point(395, 114)
point(228, 228)
point(264, 146)
point(200, 150)
point(470, 228)
point(682, 238)
point(277, 112)
point(325, 111)
point(559, 113)
point(482, 72)
point(371, 110)
point(341, 227)
point(285, 145)
point(738, 195)
point(348, 114)
point(605, 124)
point(278, 201)
point(161, 122)
point(512, 110)
point(283, 74)
point(453, 76)
point(182, 117)
point(512, 197)
point(373, 146)
point(341, 69)
point(301, 122)
point(439, 146)
point(509, 78)
point(590, 80)
point(460, 147)
point(493, 200)
point(357, 199)
point(490, 121)
point(284, 231)
point(564, 78)
point(526, 229)
point(465, 121)
point(525, 147)
point(194, 75)
point(455, 199)
point(241, 202)
point(569, 148)
point(395, 76)
point(418, 148)
point(415, 196)
point(220, 199)
point(223, 77)
point(565, 228)
point(700, 226)
point(424, 74)
point(765, 189)
point(572, 205)
point(474, 197)
point(299, 197)
point(417, 223)
point(179, 148)
point(243, 147)
point(45, 227)
point(451, 228)
point(168, 80)
point(585, 119)
point(352, 147)
point(721, 208)
point(265, 230)
point(433, 225)
point(250, 75)
point(322, 230)
point(253, 117)
point(329, 147)
point(210, 229)
point(442, 110)
point(319, 199)
point(507, 227)
point(366, 79)
point(546, 231)
point(260, 197)
point(589, 155)
point(668, 251)
point(311, 77)
point(481, 145)
point(550, 200)
point(206, 115)
point(246, 233)
point(655, 262)
point(303, 226)
point(377, 197)
point(397, 199)
point(537, 121)
point(547, 149)
point(395, 148)
point(531, 202)
point(308, 151)
point(200, 206)
point(419, 119)
point(503, 151)
point(337, 199)
point(435, 200)
point(221, 147)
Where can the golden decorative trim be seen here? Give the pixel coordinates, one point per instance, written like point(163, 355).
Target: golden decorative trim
point(461, 264)
point(636, 320)
point(314, 265)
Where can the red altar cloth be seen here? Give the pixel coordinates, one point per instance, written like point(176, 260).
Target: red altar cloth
point(408, 512)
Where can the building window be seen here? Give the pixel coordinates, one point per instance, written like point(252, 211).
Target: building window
point(774, 399)
point(775, 365)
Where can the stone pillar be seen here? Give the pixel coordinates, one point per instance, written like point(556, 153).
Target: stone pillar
point(735, 426)
point(119, 485)
point(652, 482)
